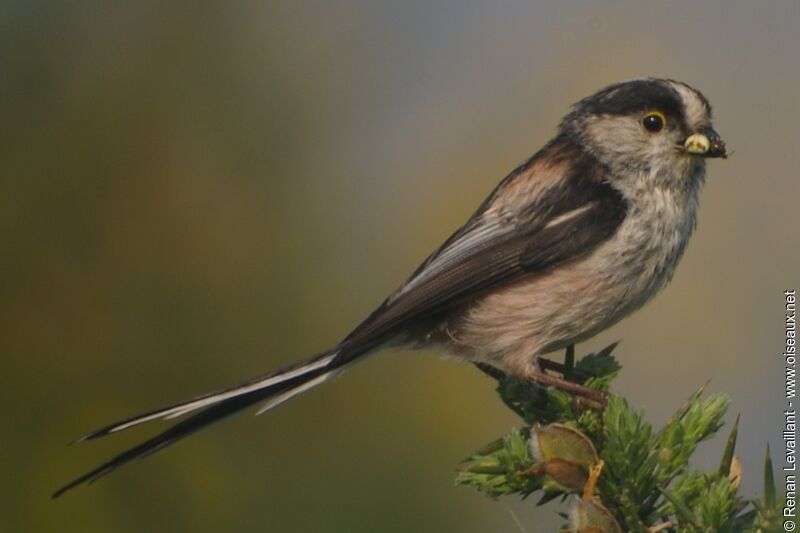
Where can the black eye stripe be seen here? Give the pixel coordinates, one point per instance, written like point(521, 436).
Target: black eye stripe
point(635, 97)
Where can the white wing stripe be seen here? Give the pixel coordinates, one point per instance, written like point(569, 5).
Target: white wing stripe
point(569, 215)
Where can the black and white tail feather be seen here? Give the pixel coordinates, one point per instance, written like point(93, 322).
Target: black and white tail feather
point(272, 389)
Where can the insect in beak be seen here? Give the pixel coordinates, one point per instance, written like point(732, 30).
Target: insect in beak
point(707, 143)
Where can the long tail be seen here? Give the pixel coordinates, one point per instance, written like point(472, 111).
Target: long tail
point(273, 389)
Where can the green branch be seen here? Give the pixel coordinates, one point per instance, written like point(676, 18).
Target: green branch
point(618, 472)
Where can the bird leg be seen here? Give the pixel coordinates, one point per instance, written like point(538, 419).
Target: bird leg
point(573, 379)
point(576, 389)
point(567, 368)
point(572, 382)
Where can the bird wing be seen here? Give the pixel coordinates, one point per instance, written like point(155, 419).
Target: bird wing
point(564, 221)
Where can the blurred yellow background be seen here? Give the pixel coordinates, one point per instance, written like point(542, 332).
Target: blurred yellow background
point(195, 193)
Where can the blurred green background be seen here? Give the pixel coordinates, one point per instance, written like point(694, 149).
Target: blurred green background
point(195, 193)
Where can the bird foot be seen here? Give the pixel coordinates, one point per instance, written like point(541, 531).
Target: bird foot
point(593, 397)
point(573, 379)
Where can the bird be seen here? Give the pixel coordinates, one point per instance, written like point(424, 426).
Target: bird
point(573, 240)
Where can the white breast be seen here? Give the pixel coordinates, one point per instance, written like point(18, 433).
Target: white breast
point(511, 327)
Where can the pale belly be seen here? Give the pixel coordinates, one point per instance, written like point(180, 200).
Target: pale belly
point(511, 327)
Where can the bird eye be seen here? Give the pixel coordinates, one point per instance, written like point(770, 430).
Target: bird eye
point(654, 121)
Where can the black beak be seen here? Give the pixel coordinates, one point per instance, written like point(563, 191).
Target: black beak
point(717, 148)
